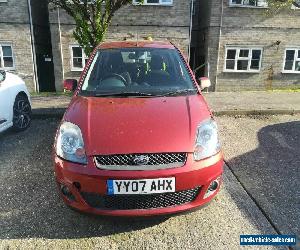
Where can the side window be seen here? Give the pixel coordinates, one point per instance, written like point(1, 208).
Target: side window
point(243, 59)
point(6, 57)
point(78, 58)
point(249, 3)
point(296, 5)
point(292, 61)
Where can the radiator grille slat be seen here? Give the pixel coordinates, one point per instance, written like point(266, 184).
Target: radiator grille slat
point(149, 201)
point(128, 161)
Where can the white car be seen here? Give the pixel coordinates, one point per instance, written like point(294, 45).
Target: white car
point(15, 104)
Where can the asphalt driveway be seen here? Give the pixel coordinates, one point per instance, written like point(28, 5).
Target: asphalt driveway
point(33, 216)
point(264, 154)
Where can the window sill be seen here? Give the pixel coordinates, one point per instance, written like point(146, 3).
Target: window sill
point(248, 6)
point(158, 5)
point(242, 71)
point(76, 70)
point(290, 72)
point(8, 69)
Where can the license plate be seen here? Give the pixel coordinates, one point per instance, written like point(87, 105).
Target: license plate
point(145, 186)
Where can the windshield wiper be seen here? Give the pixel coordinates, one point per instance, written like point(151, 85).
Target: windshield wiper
point(124, 94)
point(181, 91)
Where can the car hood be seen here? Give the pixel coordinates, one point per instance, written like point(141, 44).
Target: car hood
point(138, 125)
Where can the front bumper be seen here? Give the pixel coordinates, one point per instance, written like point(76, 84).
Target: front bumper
point(86, 184)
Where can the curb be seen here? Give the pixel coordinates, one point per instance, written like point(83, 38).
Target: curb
point(45, 113)
point(256, 112)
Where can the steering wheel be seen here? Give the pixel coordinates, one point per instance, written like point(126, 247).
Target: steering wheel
point(116, 76)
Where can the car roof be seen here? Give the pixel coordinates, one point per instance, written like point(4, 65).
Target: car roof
point(136, 44)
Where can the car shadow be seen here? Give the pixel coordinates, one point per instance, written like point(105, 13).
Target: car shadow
point(270, 174)
point(30, 205)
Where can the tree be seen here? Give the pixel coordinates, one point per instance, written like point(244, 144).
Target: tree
point(92, 18)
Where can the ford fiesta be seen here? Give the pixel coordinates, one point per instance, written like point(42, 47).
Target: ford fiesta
point(138, 138)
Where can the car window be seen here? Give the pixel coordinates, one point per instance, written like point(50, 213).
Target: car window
point(143, 70)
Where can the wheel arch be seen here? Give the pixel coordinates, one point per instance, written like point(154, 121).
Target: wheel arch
point(23, 94)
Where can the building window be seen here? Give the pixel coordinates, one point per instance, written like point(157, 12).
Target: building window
point(6, 57)
point(154, 2)
point(249, 3)
point(292, 61)
point(78, 58)
point(296, 5)
point(243, 59)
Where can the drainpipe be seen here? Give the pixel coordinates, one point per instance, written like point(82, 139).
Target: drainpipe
point(219, 45)
point(33, 52)
point(60, 45)
point(190, 31)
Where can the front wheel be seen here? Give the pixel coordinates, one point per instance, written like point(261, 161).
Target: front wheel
point(22, 113)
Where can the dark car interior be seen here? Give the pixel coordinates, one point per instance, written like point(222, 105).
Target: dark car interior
point(121, 68)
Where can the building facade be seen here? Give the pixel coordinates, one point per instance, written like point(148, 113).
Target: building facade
point(234, 42)
point(247, 49)
point(25, 44)
point(16, 52)
point(159, 19)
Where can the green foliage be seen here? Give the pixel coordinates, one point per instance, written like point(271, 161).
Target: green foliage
point(275, 6)
point(92, 18)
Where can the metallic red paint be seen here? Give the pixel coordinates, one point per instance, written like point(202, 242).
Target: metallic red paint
point(137, 125)
point(93, 180)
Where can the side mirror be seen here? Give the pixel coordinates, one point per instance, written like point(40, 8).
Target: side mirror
point(2, 75)
point(204, 82)
point(70, 84)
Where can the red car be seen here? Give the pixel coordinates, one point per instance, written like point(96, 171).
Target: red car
point(138, 138)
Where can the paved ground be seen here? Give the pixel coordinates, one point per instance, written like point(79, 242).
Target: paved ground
point(33, 216)
point(263, 153)
point(222, 103)
point(266, 101)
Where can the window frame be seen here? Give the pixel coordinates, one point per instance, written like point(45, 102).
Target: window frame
point(295, 5)
point(135, 2)
point(296, 56)
point(194, 7)
point(2, 57)
point(84, 57)
point(238, 49)
point(231, 4)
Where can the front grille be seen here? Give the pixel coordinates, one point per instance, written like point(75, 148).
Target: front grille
point(143, 201)
point(153, 161)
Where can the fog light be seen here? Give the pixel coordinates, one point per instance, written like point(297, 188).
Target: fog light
point(212, 188)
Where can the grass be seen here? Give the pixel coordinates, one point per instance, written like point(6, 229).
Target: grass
point(285, 90)
point(49, 94)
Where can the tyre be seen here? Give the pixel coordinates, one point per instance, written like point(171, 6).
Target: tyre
point(21, 113)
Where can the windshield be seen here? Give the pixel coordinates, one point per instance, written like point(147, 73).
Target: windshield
point(137, 72)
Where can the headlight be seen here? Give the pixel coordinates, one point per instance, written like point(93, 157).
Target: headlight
point(207, 140)
point(69, 145)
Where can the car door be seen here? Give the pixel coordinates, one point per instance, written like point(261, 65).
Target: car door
point(5, 104)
